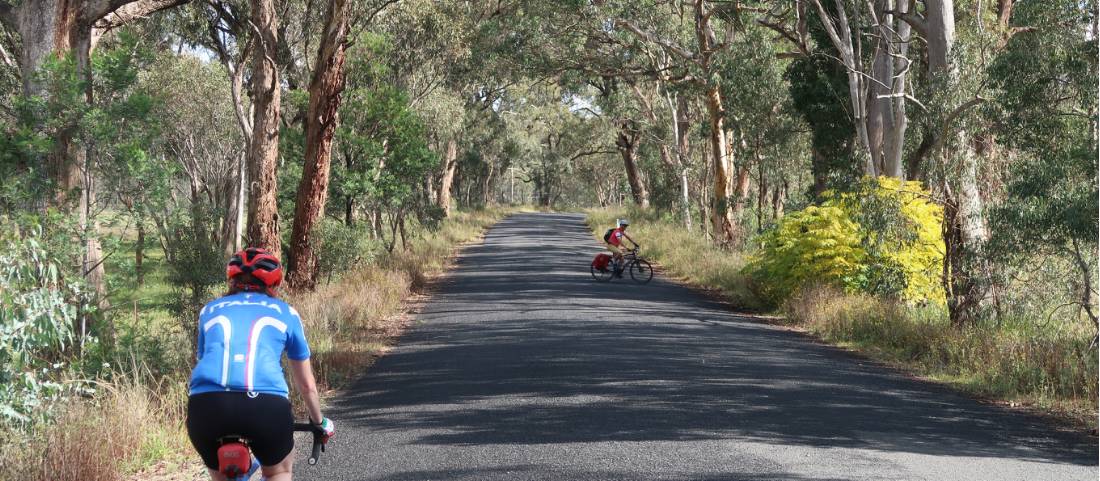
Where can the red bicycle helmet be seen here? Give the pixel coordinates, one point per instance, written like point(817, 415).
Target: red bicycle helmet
point(259, 263)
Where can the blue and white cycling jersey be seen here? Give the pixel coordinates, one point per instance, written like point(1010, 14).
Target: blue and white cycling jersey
point(242, 338)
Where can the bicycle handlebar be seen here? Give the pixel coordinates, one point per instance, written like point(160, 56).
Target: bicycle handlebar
point(318, 444)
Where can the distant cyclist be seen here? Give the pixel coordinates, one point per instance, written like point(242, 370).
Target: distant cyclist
point(238, 386)
point(614, 239)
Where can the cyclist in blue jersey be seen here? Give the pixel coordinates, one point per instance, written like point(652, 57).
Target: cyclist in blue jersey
point(238, 386)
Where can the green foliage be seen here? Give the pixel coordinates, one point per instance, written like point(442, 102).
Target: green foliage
point(816, 244)
point(384, 154)
point(40, 303)
point(883, 238)
point(1048, 113)
point(342, 249)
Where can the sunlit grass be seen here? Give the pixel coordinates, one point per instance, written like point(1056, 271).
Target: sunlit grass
point(686, 255)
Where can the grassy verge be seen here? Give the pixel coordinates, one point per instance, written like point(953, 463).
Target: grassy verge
point(686, 255)
point(132, 427)
point(1019, 362)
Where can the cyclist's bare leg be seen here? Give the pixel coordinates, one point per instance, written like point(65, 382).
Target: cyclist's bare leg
point(215, 475)
point(281, 471)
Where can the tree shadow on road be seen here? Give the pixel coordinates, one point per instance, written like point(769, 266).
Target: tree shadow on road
point(521, 347)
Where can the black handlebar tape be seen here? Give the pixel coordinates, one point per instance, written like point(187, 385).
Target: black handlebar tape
point(318, 446)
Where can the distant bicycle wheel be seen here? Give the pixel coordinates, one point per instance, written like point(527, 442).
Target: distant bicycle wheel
point(603, 275)
point(641, 271)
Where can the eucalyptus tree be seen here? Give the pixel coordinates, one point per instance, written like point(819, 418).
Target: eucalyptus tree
point(876, 82)
point(58, 29)
point(1044, 108)
point(196, 133)
point(552, 137)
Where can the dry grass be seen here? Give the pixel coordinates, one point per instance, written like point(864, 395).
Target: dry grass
point(687, 255)
point(1019, 363)
point(105, 438)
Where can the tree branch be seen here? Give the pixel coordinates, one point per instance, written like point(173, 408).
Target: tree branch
point(591, 152)
point(130, 11)
point(648, 37)
point(787, 34)
point(915, 20)
point(370, 18)
point(945, 129)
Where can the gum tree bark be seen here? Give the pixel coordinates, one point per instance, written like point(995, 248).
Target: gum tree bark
point(727, 228)
point(263, 152)
point(877, 96)
point(321, 122)
point(450, 166)
point(627, 142)
point(966, 272)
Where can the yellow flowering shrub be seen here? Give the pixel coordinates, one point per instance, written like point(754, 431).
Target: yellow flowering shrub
point(881, 238)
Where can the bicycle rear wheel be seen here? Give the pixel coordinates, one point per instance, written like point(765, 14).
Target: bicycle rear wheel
point(601, 275)
point(641, 271)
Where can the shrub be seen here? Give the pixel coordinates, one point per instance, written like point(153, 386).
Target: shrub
point(38, 308)
point(119, 430)
point(901, 233)
point(342, 249)
point(883, 238)
point(818, 243)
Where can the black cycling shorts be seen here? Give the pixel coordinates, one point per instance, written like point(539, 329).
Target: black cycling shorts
point(265, 420)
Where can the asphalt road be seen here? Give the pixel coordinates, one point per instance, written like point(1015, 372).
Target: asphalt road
point(523, 368)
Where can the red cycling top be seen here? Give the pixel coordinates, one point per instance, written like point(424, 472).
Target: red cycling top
point(616, 238)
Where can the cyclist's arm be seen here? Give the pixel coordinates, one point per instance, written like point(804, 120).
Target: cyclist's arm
point(307, 387)
point(632, 241)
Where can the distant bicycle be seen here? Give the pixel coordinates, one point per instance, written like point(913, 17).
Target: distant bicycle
point(604, 268)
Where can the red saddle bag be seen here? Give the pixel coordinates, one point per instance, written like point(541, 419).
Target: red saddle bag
point(601, 261)
point(234, 459)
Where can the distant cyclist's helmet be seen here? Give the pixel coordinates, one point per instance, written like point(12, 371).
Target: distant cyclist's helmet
point(623, 222)
point(256, 261)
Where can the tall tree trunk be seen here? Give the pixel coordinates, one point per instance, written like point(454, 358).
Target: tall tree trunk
point(486, 185)
point(233, 202)
point(450, 165)
point(964, 229)
point(139, 252)
point(840, 34)
point(681, 123)
point(761, 195)
point(893, 164)
point(263, 153)
point(725, 222)
point(627, 142)
point(321, 122)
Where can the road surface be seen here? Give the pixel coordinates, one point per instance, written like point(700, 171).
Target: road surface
point(521, 367)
